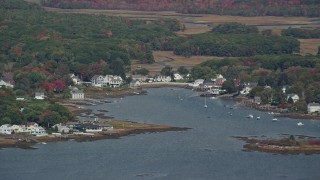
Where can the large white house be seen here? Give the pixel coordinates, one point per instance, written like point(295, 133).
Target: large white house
point(108, 80)
point(76, 93)
point(36, 130)
point(196, 83)
point(32, 128)
point(62, 128)
point(162, 79)
point(112, 81)
point(97, 80)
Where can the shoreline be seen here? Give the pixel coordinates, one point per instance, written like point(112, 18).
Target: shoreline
point(121, 129)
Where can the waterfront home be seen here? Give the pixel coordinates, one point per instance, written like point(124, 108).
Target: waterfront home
point(5, 84)
point(139, 78)
point(219, 82)
point(36, 130)
point(62, 128)
point(97, 80)
point(294, 97)
point(112, 81)
point(313, 107)
point(5, 129)
point(75, 79)
point(162, 79)
point(135, 84)
point(88, 128)
point(196, 83)
point(247, 87)
point(177, 76)
point(116, 81)
point(77, 94)
point(18, 128)
point(39, 95)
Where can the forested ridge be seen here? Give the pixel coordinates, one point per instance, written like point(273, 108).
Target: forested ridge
point(222, 7)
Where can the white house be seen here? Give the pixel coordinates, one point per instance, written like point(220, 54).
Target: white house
point(9, 129)
point(36, 130)
point(5, 129)
point(116, 81)
point(97, 80)
point(39, 95)
point(196, 83)
point(177, 76)
point(77, 94)
point(62, 128)
point(294, 97)
point(6, 84)
point(162, 79)
point(19, 128)
point(135, 83)
point(313, 107)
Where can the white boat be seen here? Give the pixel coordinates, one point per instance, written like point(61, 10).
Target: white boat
point(258, 117)
point(250, 116)
point(205, 102)
point(300, 124)
point(274, 119)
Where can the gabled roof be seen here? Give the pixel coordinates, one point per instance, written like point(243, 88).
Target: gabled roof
point(313, 104)
point(96, 76)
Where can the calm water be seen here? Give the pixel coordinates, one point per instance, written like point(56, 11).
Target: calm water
point(207, 151)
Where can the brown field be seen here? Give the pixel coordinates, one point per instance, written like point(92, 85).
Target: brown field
point(309, 46)
point(167, 58)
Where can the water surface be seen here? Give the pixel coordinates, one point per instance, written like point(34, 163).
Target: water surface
point(205, 152)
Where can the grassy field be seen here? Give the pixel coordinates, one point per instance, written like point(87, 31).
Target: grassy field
point(309, 46)
point(167, 58)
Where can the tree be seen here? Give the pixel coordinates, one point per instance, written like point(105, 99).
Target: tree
point(183, 70)
point(200, 72)
point(142, 71)
point(5, 120)
point(118, 67)
point(229, 86)
point(166, 71)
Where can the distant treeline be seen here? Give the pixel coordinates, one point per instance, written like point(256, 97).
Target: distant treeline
point(301, 33)
point(308, 8)
point(231, 39)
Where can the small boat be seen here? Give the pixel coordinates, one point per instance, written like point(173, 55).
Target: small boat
point(205, 102)
point(274, 119)
point(258, 117)
point(250, 116)
point(43, 143)
point(300, 124)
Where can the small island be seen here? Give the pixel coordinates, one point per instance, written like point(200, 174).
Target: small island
point(286, 145)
